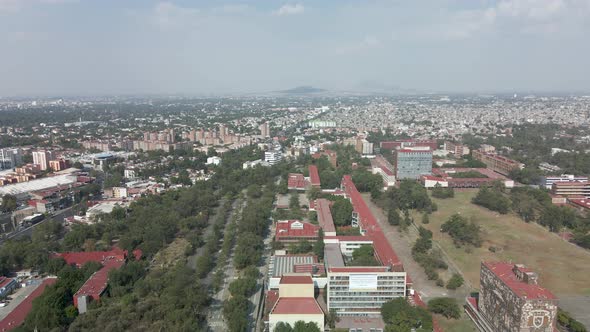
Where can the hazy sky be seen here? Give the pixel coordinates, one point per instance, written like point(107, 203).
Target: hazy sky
point(205, 46)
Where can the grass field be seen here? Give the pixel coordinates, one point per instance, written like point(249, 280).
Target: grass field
point(563, 268)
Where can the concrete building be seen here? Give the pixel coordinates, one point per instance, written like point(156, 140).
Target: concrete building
point(264, 130)
point(445, 177)
point(10, 158)
point(273, 156)
point(571, 189)
point(42, 159)
point(215, 160)
point(496, 162)
point(547, 181)
point(511, 300)
point(381, 166)
point(396, 145)
point(412, 162)
point(456, 149)
point(296, 302)
point(362, 290)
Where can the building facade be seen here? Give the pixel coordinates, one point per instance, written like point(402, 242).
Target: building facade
point(361, 291)
point(496, 162)
point(411, 163)
point(511, 300)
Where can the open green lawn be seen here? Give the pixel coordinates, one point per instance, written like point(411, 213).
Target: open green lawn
point(563, 268)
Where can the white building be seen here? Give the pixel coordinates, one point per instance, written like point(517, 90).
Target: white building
point(273, 156)
point(130, 173)
point(215, 160)
point(42, 158)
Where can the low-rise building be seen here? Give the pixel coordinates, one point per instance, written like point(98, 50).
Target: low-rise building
point(496, 162)
point(296, 302)
point(296, 181)
point(289, 231)
point(571, 189)
point(548, 181)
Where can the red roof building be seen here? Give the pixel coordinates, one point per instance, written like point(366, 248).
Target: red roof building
point(295, 231)
point(296, 181)
point(583, 204)
point(17, 316)
point(314, 176)
point(297, 306)
point(324, 215)
point(369, 226)
point(95, 286)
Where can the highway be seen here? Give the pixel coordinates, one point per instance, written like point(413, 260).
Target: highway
point(60, 215)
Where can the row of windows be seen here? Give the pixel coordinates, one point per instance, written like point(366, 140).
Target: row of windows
point(346, 288)
point(356, 300)
point(399, 277)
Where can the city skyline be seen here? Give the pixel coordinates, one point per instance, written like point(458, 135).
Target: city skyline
point(70, 47)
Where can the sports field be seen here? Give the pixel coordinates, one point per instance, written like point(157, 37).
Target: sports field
point(563, 267)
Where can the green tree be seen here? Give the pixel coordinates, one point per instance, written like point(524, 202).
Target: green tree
point(445, 306)
point(342, 212)
point(455, 282)
point(425, 218)
point(393, 217)
point(8, 203)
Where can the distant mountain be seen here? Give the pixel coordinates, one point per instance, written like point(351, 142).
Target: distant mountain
point(303, 90)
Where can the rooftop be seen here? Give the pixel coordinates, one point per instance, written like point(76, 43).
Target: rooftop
point(17, 316)
point(325, 215)
point(297, 306)
point(295, 228)
point(296, 279)
point(97, 283)
point(383, 249)
point(505, 272)
point(296, 181)
point(314, 176)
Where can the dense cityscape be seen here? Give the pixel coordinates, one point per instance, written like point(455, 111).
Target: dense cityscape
point(295, 166)
point(295, 213)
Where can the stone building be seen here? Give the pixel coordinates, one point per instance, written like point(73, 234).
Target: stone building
point(511, 300)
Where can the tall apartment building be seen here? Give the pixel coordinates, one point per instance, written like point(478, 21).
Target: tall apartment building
point(264, 130)
point(510, 300)
point(413, 162)
point(10, 158)
point(496, 162)
point(42, 158)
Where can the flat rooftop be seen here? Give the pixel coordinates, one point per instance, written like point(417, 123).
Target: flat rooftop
point(332, 255)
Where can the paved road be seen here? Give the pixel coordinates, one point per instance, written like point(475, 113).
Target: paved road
point(60, 215)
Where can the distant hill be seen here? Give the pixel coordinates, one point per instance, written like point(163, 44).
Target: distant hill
point(303, 90)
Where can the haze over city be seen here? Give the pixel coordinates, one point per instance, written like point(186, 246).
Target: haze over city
point(69, 47)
